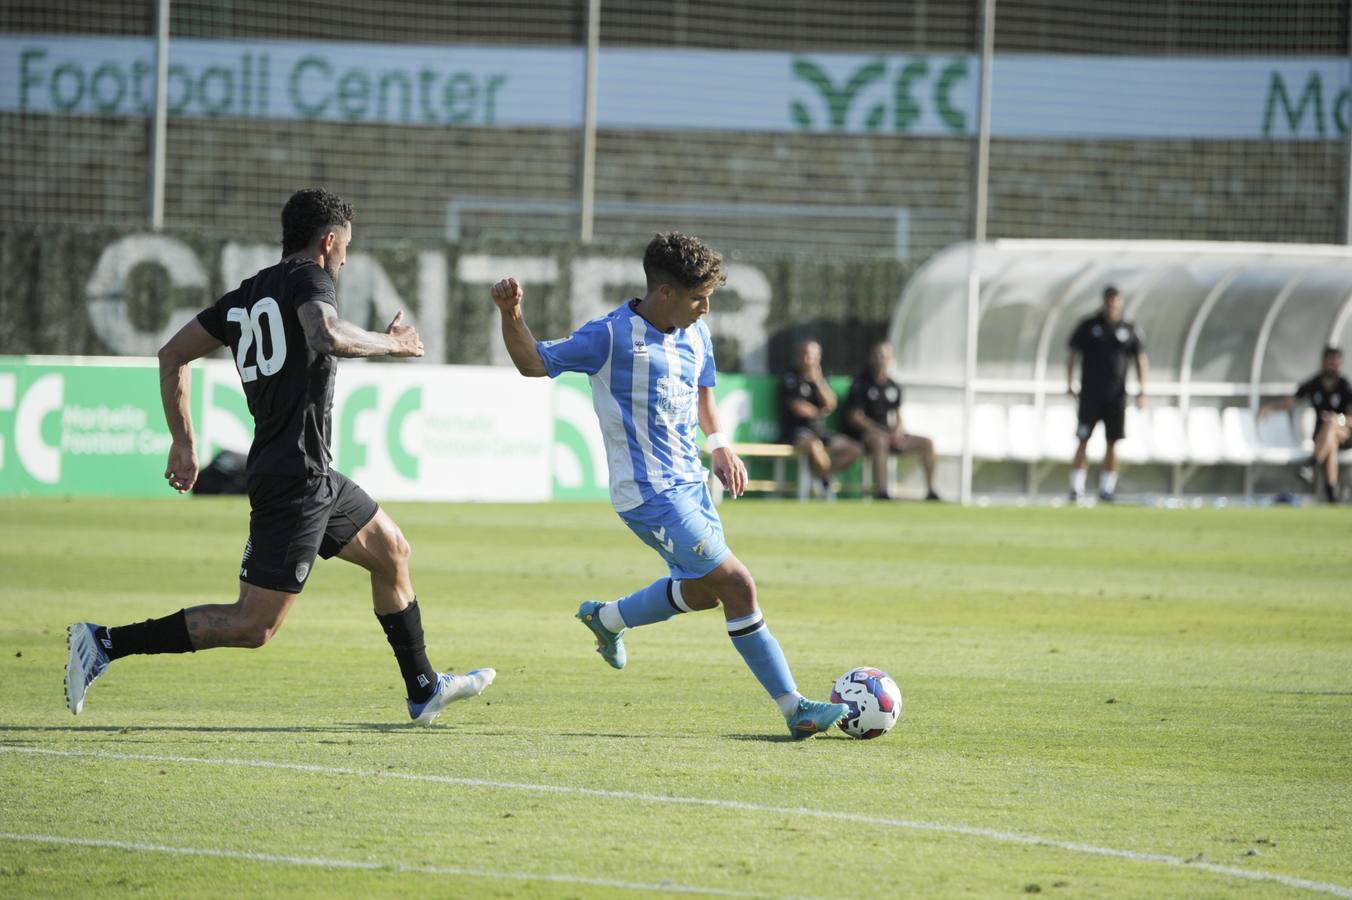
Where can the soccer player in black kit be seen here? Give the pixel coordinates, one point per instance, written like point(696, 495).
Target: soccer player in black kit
point(1331, 396)
point(282, 328)
point(1105, 343)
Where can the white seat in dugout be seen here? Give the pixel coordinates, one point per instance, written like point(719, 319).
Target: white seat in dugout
point(1239, 439)
point(990, 431)
point(1305, 427)
point(1277, 439)
point(1306, 434)
point(1168, 438)
point(1135, 446)
point(918, 418)
point(1205, 442)
point(1058, 433)
point(1060, 436)
point(940, 423)
point(1025, 434)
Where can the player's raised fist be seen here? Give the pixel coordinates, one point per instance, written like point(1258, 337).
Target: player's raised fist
point(507, 294)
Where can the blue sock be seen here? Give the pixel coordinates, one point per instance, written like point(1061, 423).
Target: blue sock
point(762, 654)
point(653, 603)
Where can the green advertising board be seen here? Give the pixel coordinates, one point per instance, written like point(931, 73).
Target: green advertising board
point(94, 426)
point(68, 428)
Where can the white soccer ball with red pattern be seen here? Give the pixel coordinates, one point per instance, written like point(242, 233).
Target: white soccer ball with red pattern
point(874, 701)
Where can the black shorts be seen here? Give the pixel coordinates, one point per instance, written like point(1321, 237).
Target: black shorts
point(291, 519)
point(1112, 412)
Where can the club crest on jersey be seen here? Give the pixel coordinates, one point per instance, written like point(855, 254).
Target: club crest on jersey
point(302, 570)
point(675, 399)
point(1123, 334)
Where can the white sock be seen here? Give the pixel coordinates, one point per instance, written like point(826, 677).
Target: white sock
point(1107, 481)
point(1077, 480)
point(610, 616)
point(788, 703)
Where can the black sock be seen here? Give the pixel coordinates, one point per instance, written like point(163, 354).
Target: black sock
point(404, 632)
point(167, 635)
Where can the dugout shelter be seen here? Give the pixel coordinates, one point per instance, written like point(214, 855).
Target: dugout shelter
point(1226, 325)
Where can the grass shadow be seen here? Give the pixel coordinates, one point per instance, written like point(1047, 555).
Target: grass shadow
point(764, 738)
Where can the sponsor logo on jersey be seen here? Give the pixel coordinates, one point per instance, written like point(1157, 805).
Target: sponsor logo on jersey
point(640, 348)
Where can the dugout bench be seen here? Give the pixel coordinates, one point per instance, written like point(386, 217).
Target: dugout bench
point(803, 485)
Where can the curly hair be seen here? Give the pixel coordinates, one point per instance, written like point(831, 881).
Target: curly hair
point(308, 214)
point(682, 259)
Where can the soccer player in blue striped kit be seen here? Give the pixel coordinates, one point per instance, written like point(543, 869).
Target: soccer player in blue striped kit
point(651, 363)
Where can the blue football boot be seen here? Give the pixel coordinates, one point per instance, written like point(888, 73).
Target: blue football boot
point(814, 716)
point(609, 644)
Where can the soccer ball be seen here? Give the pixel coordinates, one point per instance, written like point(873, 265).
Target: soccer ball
point(874, 701)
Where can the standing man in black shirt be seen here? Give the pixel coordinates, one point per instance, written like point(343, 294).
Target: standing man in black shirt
point(1105, 343)
point(283, 330)
point(873, 418)
point(1331, 396)
point(805, 400)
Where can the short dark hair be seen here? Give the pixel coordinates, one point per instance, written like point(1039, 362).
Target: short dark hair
point(1109, 293)
point(308, 214)
point(1331, 350)
point(675, 258)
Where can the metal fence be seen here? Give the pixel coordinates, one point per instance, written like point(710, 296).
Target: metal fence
point(777, 129)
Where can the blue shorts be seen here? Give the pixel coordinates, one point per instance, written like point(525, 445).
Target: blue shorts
point(682, 525)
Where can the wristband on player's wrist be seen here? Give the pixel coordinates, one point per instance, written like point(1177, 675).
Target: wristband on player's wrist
point(716, 441)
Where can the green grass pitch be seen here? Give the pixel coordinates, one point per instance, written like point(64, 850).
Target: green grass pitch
point(1109, 702)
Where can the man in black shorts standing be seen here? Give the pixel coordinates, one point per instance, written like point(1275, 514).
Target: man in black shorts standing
point(1331, 396)
point(282, 328)
point(1105, 343)
point(805, 400)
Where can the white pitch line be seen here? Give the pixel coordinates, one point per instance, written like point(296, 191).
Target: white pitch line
point(1009, 837)
point(320, 862)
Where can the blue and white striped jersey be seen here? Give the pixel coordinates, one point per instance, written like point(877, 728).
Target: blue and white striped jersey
point(645, 387)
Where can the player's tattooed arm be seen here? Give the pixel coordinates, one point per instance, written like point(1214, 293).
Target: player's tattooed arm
point(326, 333)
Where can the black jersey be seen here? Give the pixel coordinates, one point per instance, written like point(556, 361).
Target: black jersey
point(878, 402)
point(1105, 349)
point(795, 387)
point(288, 385)
point(1336, 399)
